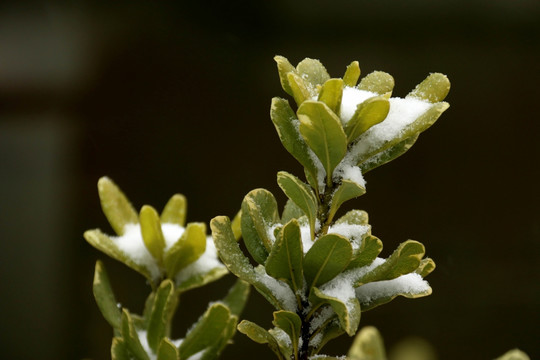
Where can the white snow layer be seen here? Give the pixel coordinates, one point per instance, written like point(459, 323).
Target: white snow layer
point(347, 171)
point(350, 100)
point(205, 263)
point(411, 284)
point(144, 342)
point(403, 112)
point(132, 245)
point(353, 232)
point(281, 291)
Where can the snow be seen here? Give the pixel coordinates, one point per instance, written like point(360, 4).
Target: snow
point(347, 171)
point(281, 291)
point(197, 356)
point(171, 233)
point(316, 341)
point(411, 284)
point(281, 336)
point(132, 245)
point(352, 96)
point(144, 342)
point(205, 263)
point(403, 112)
point(319, 319)
point(353, 232)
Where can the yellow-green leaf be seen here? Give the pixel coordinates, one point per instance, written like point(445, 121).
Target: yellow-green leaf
point(405, 259)
point(119, 350)
point(301, 194)
point(433, 89)
point(352, 74)
point(331, 94)
point(175, 210)
point(347, 190)
point(237, 297)
point(378, 82)
point(205, 332)
point(515, 354)
point(190, 246)
point(286, 125)
point(151, 232)
point(260, 336)
point(199, 279)
point(388, 154)
point(368, 113)
point(313, 71)
point(105, 244)
point(328, 256)
point(368, 345)
point(324, 134)
point(284, 67)
point(425, 268)
point(236, 225)
point(105, 298)
point(115, 205)
point(370, 247)
point(286, 259)
point(299, 89)
point(259, 210)
point(160, 316)
point(347, 311)
point(291, 211)
point(167, 351)
point(357, 217)
point(291, 324)
point(131, 338)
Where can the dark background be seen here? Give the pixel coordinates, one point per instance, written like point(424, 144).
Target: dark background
point(169, 97)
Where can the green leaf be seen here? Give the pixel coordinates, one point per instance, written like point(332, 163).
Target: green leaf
point(348, 312)
point(189, 248)
point(148, 305)
point(115, 205)
point(105, 298)
point(301, 194)
point(131, 338)
point(119, 350)
point(388, 155)
point(331, 94)
point(229, 251)
point(283, 341)
point(313, 71)
point(405, 259)
point(425, 268)
point(378, 82)
point(237, 297)
point(291, 211)
point(299, 89)
point(213, 351)
point(285, 260)
point(328, 256)
point(151, 232)
point(322, 130)
point(175, 210)
point(286, 124)
point(206, 330)
point(433, 89)
point(167, 351)
point(237, 225)
point(370, 247)
point(368, 345)
point(237, 263)
point(368, 113)
point(331, 331)
point(352, 74)
point(291, 324)
point(357, 217)
point(199, 279)
point(259, 210)
point(163, 308)
point(347, 190)
point(284, 67)
point(260, 336)
point(106, 245)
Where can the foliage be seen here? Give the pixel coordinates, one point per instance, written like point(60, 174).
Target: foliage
point(318, 273)
point(174, 259)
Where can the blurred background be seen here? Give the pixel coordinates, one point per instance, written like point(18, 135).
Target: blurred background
point(168, 97)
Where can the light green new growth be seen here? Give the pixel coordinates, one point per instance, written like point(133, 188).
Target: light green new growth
point(320, 274)
point(173, 259)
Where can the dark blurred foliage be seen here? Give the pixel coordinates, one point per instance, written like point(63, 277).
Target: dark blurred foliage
point(168, 97)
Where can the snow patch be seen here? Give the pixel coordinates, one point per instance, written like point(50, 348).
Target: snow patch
point(281, 291)
point(411, 284)
point(353, 232)
point(205, 263)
